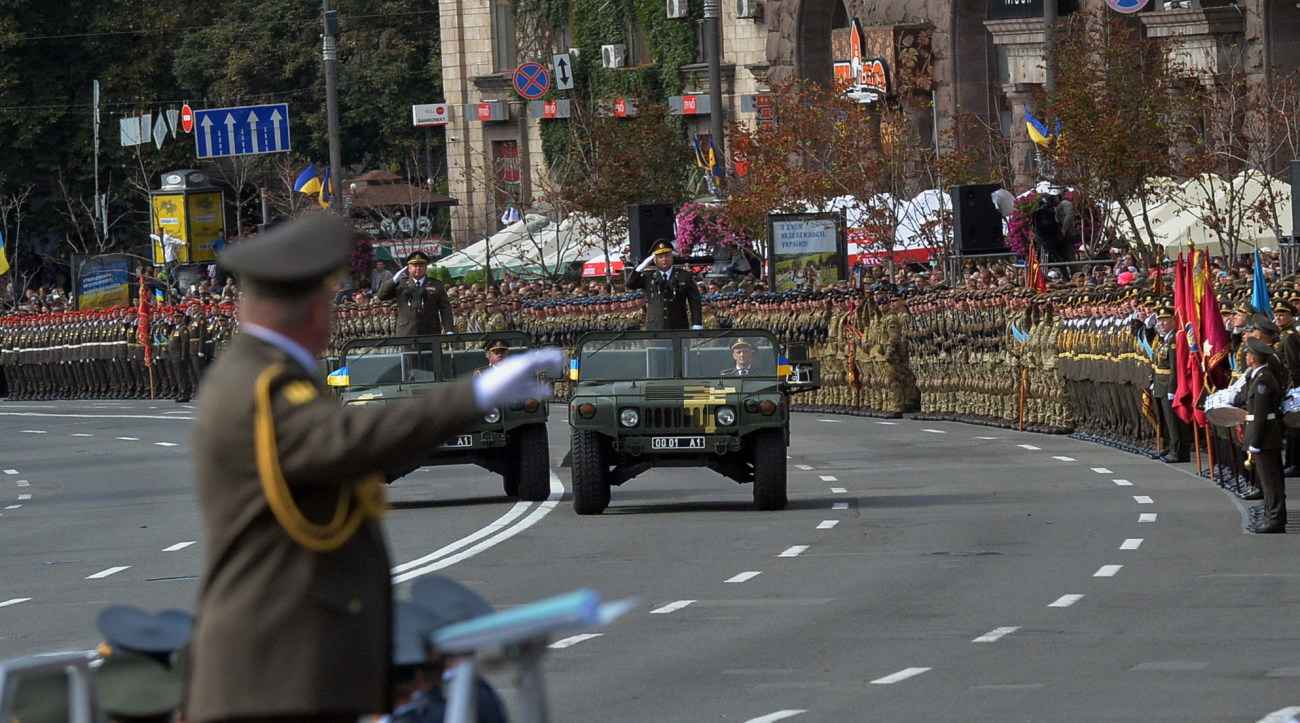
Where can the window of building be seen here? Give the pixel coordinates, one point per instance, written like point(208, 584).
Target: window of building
point(505, 53)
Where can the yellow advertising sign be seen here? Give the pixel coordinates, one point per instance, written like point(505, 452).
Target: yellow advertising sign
point(169, 216)
point(206, 220)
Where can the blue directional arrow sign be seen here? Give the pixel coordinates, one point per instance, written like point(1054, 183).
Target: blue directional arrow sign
point(244, 131)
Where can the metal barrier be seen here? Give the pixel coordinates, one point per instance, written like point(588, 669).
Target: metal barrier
point(83, 706)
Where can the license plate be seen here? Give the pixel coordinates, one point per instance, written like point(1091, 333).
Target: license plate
point(464, 440)
point(677, 443)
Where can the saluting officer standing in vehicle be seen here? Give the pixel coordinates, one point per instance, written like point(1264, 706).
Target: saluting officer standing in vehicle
point(423, 306)
point(672, 300)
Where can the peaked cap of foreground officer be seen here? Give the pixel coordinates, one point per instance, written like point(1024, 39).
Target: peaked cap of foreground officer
point(293, 258)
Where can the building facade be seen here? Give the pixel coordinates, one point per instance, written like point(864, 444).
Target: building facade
point(985, 56)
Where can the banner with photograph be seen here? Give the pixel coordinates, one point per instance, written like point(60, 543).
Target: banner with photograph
point(103, 281)
point(805, 250)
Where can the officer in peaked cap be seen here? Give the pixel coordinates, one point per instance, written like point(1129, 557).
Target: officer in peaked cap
point(294, 613)
point(1261, 396)
point(1174, 432)
point(672, 298)
point(423, 306)
point(140, 678)
point(743, 355)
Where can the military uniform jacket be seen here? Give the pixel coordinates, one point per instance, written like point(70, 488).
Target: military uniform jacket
point(1164, 381)
point(283, 630)
point(1262, 397)
point(420, 309)
point(672, 303)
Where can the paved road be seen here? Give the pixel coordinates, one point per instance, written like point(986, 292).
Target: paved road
point(923, 571)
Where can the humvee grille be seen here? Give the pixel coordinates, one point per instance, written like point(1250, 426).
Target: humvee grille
point(675, 417)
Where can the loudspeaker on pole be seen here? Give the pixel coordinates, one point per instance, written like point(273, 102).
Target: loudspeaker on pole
point(647, 223)
point(976, 220)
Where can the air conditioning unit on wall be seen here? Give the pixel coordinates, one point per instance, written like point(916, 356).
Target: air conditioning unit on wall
point(613, 56)
point(678, 8)
point(752, 9)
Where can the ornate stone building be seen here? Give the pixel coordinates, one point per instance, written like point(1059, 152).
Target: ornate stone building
point(981, 55)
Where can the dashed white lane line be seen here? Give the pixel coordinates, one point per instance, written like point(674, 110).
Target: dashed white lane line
point(11, 471)
point(744, 576)
point(165, 444)
point(83, 434)
point(934, 431)
point(1107, 571)
point(795, 551)
point(671, 607)
point(106, 573)
point(903, 674)
point(1122, 482)
point(829, 478)
point(12, 507)
point(24, 497)
point(839, 491)
point(832, 421)
point(988, 438)
point(33, 431)
point(779, 715)
point(13, 601)
point(888, 424)
point(1101, 470)
point(827, 524)
point(179, 546)
point(840, 506)
point(1281, 715)
point(803, 467)
point(573, 640)
point(1065, 601)
point(1131, 543)
point(1029, 447)
point(1147, 517)
point(23, 483)
point(994, 635)
point(1143, 500)
point(129, 439)
point(1064, 458)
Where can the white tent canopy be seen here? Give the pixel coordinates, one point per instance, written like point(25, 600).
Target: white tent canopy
point(1180, 222)
point(533, 246)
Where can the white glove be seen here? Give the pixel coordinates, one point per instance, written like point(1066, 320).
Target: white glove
point(645, 263)
point(515, 378)
point(696, 327)
point(401, 274)
point(1151, 321)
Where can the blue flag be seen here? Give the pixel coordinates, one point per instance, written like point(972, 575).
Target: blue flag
point(1259, 292)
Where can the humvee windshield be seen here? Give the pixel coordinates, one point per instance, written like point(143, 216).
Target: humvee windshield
point(627, 359)
point(717, 357)
point(416, 361)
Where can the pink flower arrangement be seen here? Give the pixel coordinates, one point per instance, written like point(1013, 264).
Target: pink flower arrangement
point(1020, 226)
point(699, 223)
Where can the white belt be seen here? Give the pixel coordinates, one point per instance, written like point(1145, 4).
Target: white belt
point(1251, 417)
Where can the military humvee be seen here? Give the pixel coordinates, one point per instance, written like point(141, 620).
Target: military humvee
point(511, 441)
point(675, 399)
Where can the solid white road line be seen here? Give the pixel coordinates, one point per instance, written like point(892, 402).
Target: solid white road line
point(993, 635)
point(179, 546)
point(795, 551)
point(1147, 517)
point(1143, 500)
point(829, 478)
point(744, 576)
point(1122, 482)
point(840, 506)
point(1131, 543)
point(803, 467)
point(1066, 601)
point(838, 491)
point(827, 524)
point(1101, 470)
point(1029, 447)
point(1064, 459)
point(573, 640)
point(1107, 571)
point(671, 607)
point(900, 675)
point(14, 601)
point(109, 571)
point(779, 715)
point(1282, 715)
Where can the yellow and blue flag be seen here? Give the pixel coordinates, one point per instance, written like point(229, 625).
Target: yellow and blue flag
point(307, 181)
point(706, 156)
point(573, 370)
point(4, 262)
point(1038, 131)
point(338, 378)
point(325, 188)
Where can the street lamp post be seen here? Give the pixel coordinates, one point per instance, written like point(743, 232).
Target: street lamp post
point(713, 55)
point(330, 53)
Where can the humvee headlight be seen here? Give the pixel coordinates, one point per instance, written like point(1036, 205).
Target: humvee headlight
point(767, 407)
point(587, 410)
point(726, 416)
point(629, 417)
point(493, 416)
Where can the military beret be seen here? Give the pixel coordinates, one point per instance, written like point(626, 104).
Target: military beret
point(417, 257)
point(662, 246)
point(1259, 347)
point(1263, 323)
point(293, 258)
point(1284, 305)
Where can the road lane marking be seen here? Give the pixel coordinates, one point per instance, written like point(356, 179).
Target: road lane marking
point(744, 576)
point(903, 674)
point(934, 431)
point(1282, 715)
point(1143, 500)
point(839, 491)
point(11, 471)
point(993, 635)
point(12, 507)
point(671, 607)
point(1131, 543)
point(179, 546)
point(1101, 470)
point(129, 439)
point(23, 483)
point(840, 506)
point(803, 467)
point(1107, 571)
point(573, 640)
point(165, 444)
point(832, 421)
point(829, 478)
point(1066, 601)
point(1029, 447)
point(83, 435)
point(779, 715)
point(795, 551)
point(24, 497)
point(1147, 517)
point(33, 431)
point(1122, 482)
point(14, 601)
point(988, 438)
point(889, 424)
point(1064, 459)
point(827, 524)
point(89, 416)
point(106, 573)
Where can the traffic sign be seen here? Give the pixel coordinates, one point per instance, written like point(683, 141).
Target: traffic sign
point(244, 131)
point(563, 71)
point(434, 114)
point(187, 118)
point(1126, 6)
point(532, 81)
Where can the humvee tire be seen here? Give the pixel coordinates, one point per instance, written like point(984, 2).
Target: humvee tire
point(769, 469)
point(532, 457)
point(590, 486)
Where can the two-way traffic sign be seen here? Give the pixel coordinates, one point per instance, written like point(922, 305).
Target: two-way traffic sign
point(563, 71)
point(243, 131)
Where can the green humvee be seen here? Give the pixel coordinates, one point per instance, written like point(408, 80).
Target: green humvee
point(677, 399)
point(511, 442)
